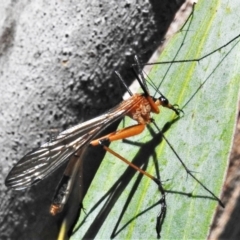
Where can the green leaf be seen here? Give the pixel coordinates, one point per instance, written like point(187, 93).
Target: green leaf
point(208, 93)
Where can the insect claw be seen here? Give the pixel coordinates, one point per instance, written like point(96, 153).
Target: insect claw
point(177, 110)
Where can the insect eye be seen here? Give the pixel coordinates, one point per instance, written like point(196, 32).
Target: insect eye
point(164, 101)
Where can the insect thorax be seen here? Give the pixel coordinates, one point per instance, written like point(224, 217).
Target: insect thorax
point(141, 111)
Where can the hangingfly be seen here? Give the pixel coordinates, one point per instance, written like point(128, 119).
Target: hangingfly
point(72, 143)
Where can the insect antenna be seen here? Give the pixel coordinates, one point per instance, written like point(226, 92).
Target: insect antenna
point(145, 90)
point(123, 82)
point(143, 79)
point(139, 71)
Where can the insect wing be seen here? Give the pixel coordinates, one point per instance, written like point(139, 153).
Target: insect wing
point(39, 163)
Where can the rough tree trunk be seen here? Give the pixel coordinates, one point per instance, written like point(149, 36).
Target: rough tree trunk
point(57, 62)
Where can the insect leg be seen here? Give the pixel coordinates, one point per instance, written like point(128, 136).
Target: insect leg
point(163, 210)
point(120, 134)
point(187, 170)
point(102, 142)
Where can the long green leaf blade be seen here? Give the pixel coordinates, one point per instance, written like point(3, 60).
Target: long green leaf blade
point(208, 93)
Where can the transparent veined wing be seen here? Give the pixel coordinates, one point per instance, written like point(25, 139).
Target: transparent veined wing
point(39, 163)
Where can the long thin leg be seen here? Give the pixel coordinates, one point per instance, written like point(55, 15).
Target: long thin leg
point(122, 134)
point(162, 213)
point(130, 164)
